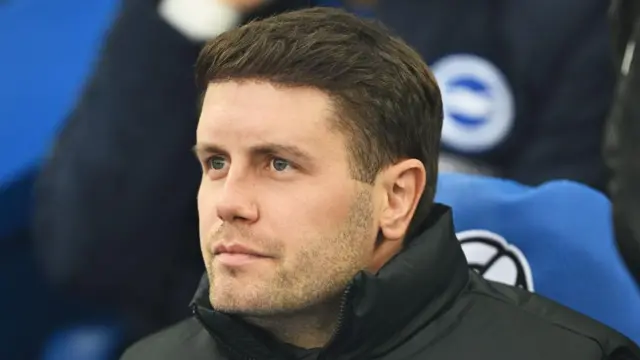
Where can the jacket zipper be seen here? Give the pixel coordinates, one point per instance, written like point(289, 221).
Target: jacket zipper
point(339, 324)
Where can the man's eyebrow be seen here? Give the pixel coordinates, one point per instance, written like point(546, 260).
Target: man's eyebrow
point(262, 149)
point(282, 150)
point(207, 149)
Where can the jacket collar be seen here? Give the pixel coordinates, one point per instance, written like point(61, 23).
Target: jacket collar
point(380, 310)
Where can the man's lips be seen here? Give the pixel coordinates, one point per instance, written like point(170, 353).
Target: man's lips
point(236, 255)
point(236, 249)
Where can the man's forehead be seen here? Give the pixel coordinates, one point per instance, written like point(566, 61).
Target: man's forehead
point(264, 95)
point(261, 110)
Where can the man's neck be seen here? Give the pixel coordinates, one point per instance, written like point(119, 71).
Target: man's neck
point(308, 329)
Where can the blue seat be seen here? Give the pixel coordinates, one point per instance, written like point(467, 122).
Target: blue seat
point(555, 239)
point(91, 341)
point(48, 48)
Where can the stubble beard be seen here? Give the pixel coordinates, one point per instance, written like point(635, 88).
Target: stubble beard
point(314, 283)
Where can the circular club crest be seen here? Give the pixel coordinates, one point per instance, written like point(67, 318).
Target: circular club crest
point(491, 256)
point(477, 100)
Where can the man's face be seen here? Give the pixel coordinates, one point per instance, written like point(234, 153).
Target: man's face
point(283, 226)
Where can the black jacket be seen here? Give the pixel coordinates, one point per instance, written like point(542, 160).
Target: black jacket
point(424, 304)
point(622, 148)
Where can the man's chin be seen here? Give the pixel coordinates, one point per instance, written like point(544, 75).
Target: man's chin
point(245, 310)
point(237, 300)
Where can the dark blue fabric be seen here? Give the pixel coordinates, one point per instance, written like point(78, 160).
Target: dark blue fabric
point(328, 3)
point(554, 84)
point(361, 11)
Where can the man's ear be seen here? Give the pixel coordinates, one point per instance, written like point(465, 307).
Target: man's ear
point(404, 184)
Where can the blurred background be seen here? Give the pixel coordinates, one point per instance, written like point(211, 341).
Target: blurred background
point(98, 228)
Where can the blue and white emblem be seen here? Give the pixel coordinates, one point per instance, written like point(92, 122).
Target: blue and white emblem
point(478, 103)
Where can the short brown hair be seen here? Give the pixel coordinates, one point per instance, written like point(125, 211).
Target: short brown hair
point(387, 101)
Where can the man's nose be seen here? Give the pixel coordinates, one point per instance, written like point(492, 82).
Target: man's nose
point(236, 201)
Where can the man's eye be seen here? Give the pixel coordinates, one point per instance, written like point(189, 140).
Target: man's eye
point(280, 164)
point(216, 163)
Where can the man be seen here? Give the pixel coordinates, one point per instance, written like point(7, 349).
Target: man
point(93, 237)
point(318, 140)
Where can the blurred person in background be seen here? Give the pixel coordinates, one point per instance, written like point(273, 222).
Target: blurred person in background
point(622, 146)
point(46, 51)
point(526, 85)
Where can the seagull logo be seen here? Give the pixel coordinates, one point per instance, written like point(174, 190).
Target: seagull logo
point(478, 104)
